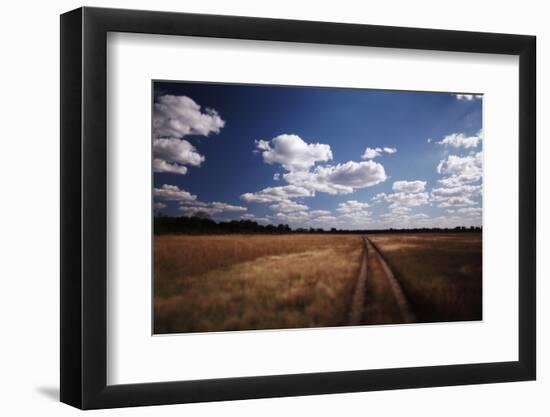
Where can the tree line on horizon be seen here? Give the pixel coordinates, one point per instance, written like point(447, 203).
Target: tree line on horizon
point(205, 225)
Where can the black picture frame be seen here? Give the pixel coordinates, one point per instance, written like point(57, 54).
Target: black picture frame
point(84, 207)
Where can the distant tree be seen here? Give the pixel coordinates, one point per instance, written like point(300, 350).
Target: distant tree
point(270, 228)
point(201, 214)
point(201, 223)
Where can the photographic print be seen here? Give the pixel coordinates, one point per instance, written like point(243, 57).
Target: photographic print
point(289, 207)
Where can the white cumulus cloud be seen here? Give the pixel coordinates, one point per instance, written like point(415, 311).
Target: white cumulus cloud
point(408, 199)
point(461, 181)
point(179, 116)
point(406, 194)
point(409, 186)
point(292, 152)
point(321, 213)
point(172, 154)
point(352, 206)
point(160, 165)
point(353, 174)
point(293, 217)
point(460, 170)
point(211, 209)
point(461, 190)
point(339, 179)
point(176, 150)
point(175, 117)
point(173, 193)
point(459, 140)
point(456, 201)
point(288, 206)
point(399, 210)
point(471, 211)
point(276, 194)
point(468, 97)
point(216, 205)
point(371, 153)
point(326, 220)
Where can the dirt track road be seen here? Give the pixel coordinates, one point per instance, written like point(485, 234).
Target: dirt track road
point(358, 300)
point(378, 296)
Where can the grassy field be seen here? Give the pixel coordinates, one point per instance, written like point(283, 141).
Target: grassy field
point(236, 282)
point(439, 273)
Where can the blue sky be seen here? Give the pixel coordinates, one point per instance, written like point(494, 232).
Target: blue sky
point(318, 157)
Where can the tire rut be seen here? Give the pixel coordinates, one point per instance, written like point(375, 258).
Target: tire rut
point(378, 297)
point(358, 299)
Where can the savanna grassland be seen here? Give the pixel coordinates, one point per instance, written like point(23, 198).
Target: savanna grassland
point(272, 281)
point(441, 274)
point(237, 282)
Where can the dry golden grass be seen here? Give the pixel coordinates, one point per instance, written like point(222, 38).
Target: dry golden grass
point(236, 282)
point(441, 274)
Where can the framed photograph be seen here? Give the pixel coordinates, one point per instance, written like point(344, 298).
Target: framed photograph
point(258, 208)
